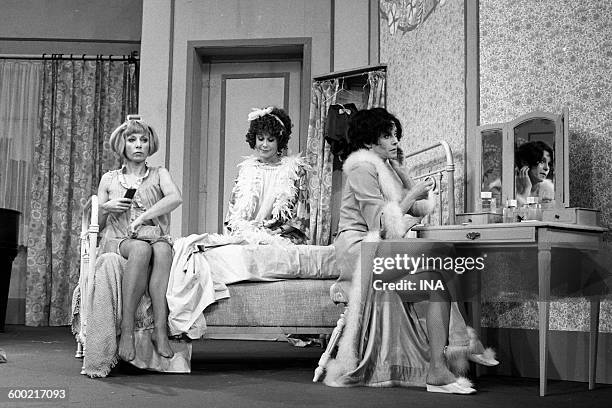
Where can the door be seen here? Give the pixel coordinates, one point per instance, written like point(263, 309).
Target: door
point(231, 90)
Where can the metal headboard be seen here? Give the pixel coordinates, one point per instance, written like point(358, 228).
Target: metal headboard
point(450, 174)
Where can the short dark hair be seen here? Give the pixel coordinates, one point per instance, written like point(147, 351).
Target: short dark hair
point(269, 123)
point(532, 153)
point(368, 125)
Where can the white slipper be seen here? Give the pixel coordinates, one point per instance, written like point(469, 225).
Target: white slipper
point(486, 359)
point(460, 386)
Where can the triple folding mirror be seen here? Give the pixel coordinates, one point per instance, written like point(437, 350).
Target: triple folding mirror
point(527, 156)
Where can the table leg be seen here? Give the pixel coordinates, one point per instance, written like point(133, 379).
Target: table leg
point(544, 258)
point(594, 331)
point(476, 313)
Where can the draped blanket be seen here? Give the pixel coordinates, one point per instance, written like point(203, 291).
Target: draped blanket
point(104, 308)
point(204, 264)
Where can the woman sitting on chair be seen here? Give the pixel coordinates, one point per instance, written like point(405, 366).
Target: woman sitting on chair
point(135, 203)
point(384, 343)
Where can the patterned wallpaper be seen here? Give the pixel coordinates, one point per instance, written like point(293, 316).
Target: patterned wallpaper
point(534, 55)
point(425, 85)
point(543, 55)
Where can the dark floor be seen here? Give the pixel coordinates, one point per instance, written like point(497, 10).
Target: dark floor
point(243, 374)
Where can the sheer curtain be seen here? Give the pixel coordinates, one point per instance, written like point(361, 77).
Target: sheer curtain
point(82, 102)
point(20, 89)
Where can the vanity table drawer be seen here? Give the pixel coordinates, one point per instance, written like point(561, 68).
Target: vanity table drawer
point(580, 216)
point(514, 234)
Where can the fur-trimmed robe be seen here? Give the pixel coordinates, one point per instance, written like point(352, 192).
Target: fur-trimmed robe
point(384, 342)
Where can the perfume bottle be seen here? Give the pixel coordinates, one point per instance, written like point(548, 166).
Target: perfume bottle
point(487, 202)
point(509, 212)
point(534, 211)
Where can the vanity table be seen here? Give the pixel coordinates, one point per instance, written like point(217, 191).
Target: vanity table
point(540, 236)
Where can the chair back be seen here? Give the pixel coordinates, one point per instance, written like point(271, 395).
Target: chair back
point(89, 242)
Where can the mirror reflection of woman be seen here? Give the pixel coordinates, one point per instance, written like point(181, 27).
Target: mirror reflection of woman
point(534, 164)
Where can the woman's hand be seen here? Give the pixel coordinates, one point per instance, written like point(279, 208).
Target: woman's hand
point(272, 226)
point(523, 182)
point(117, 205)
point(135, 225)
point(398, 162)
point(421, 189)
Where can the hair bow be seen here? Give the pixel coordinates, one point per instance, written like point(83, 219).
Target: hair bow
point(258, 113)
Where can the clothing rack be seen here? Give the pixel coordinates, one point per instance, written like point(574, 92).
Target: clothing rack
point(84, 57)
point(350, 73)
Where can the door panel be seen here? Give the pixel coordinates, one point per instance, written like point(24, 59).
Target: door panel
point(235, 88)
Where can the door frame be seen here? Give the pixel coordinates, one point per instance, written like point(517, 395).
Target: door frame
point(199, 55)
point(224, 78)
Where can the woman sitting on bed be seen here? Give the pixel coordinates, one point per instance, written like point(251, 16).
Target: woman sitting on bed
point(384, 343)
point(267, 207)
point(269, 196)
point(135, 252)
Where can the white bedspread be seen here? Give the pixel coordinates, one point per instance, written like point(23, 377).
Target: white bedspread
point(204, 264)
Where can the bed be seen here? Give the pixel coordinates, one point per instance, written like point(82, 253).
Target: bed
point(254, 310)
point(270, 310)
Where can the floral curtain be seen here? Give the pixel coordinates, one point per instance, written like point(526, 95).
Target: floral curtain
point(82, 102)
point(320, 158)
point(20, 87)
point(318, 152)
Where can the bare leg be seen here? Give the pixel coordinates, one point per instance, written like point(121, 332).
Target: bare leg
point(438, 318)
point(133, 285)
point(438, 315)
point(160, 273)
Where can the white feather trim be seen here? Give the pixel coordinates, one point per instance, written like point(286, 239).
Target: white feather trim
point(393, 221)
point(546, 190)
point(248, 190)
point(421, 208)
point(390, 184)
point(346, 358)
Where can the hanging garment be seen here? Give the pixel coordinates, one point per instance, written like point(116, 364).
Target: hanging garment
point(338, 117)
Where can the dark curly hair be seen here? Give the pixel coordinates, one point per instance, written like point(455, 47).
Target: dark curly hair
point(532, 153)
point(368, 125)
point(269, 124)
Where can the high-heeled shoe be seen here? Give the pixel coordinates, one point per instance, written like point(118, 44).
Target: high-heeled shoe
point(486, 358)
point(457, 357)
point(461, 386)
point(479, 354)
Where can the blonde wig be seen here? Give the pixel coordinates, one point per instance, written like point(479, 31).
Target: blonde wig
point(133, 124)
